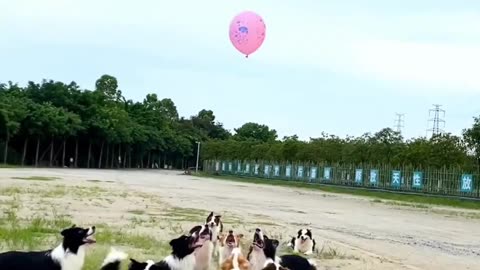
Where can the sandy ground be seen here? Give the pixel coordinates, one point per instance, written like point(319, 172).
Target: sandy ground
point(351, 232)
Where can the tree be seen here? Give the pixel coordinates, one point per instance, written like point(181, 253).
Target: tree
point(13, 111)
point(255, 132)
point(472, 138)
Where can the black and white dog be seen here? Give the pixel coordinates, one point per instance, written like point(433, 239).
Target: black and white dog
point(113, 260)
point(262, 255)
point(181, 258)
point(216, 225)
point(204, 254)
point(69, 255)
point(304, 242)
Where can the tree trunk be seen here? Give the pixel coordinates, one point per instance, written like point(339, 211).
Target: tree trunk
point(5, 151)
point(100, 157)
point(125, 158)
point(148, 160)
point(113, 156)
point(76, 153)
point(63, 152)
point(129, 158)
point(51, 153)
point(119, 165)
point(36, 153)
point(108, 153)
point(89, 153)
point(25, 145)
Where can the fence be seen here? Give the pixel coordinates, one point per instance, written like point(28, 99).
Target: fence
point(451, 182)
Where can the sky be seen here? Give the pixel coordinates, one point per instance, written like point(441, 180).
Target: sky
point(340, 67)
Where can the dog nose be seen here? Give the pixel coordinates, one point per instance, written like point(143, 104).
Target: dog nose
point(230, 232)
point(93, 228)
point(258, 230)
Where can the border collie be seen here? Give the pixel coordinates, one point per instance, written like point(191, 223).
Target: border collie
point(181, 258)
point(113, 260)
point(236, 261)
point(69, 255)
point(304, 242)
point(262, 254)
point(228, 242)
point(204, 254)
point(216, 225)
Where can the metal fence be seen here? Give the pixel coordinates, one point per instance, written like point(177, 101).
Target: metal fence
point(445, 181)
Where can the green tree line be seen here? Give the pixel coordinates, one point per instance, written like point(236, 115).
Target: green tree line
point(47, 123)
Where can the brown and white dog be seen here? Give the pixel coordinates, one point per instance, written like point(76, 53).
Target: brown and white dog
point(227, 243)
point(203, 255)
point(216, 226)
point(236, 261)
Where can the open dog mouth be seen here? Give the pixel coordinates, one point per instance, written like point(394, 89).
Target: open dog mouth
point(195, 241)
point(90, 239)
point(230, 241)
point(258, 241)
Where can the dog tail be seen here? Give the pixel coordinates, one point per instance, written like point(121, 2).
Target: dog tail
point(113, 260)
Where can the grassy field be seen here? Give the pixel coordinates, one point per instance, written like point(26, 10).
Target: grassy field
point(40, 231)
point(34, 209)
point(418, 201)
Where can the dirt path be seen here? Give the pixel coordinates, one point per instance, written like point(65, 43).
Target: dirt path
point(357, 232)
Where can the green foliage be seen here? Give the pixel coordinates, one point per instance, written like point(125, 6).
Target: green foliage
point(255, 132)
point(383, 147)
point(103, 127)
point(107, 129)
point(472, 137)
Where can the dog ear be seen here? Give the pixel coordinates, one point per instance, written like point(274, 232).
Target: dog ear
point(275, 243)
point(173, 242)
point(240, 235)
point(133, 260)
point(65, 232)
point(194, 229)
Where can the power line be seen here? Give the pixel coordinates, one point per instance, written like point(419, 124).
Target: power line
point(399, 122)
point(437, 120)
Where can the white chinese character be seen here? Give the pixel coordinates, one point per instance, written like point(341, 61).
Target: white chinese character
point(396, 178)
point(327, 174)
point(466, 183)
point(358, 175)
point(417, 180)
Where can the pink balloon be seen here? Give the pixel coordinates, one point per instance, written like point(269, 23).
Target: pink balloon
point(247, 32)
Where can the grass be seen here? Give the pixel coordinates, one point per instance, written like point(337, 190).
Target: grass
point(38, 233)
point(185, 214)
point(8, 166)
point(37, 178)
point(136, 212)
point(376, 195)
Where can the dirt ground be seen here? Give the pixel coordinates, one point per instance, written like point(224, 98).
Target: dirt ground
point(351, 232)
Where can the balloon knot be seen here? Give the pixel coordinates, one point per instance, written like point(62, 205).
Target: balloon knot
point(246, 56)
